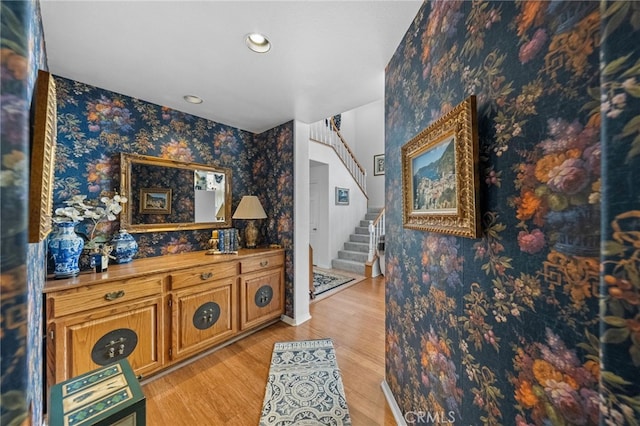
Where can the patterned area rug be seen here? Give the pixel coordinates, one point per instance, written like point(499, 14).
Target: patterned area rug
point(304, 386)
point(325, 281)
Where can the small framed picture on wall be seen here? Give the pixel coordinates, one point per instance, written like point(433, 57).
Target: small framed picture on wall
point(378, 165)
point(342, 196)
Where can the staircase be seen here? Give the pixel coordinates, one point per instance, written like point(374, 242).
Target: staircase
point(354, 255)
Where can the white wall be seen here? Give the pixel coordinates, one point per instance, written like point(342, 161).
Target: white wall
point(363, 129)
point(300, 224)
point(342, 220)
point(370, 142)
point(348, 128)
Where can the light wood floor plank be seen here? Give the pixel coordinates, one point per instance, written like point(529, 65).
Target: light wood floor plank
point(227, 386)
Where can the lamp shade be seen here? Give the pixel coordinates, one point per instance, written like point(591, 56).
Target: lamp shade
point(249, 208)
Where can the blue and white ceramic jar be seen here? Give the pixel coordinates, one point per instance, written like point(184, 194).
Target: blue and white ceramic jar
point(124, 247)
point(65, 247)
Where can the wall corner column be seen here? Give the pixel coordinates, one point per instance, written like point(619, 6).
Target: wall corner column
point(301, 223)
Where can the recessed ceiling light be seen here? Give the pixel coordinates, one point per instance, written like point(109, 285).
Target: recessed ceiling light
point(192, 99)
point(257, 42)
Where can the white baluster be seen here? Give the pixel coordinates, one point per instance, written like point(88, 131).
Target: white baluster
point(372, 241)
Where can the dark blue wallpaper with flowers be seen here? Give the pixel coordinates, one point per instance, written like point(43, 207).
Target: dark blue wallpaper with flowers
point(96, 125)
point(21, 271)
point(272, 169)
point(525, 325)
point(620, 264)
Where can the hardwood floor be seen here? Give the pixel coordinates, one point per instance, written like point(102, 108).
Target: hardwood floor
point(227, 386)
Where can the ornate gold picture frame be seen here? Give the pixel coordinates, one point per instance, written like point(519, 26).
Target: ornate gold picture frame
point(43, 149)
point(440, 179)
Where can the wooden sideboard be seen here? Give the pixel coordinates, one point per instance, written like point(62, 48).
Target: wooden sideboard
point(159, 311)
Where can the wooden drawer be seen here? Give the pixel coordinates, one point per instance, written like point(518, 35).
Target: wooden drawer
point(259, 263)
point(203, 274)
point(85, 298)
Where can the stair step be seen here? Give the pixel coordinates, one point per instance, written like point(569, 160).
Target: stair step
point(356, 250)
point(352, 255)
point(371, 216)
point(362, 230)
point(356, 246)
point(348, 265)
point(359, 238)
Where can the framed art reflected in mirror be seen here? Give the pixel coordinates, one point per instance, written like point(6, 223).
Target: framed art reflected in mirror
point(155, 200)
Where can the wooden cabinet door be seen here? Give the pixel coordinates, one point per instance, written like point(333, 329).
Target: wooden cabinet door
point(261, 297)
point(202, 316)
point(86, 341)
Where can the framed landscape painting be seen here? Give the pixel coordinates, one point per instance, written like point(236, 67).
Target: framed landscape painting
point(155, 200)
point(440, 175)
point(342, 196)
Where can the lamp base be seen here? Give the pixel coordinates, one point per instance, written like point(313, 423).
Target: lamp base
point(250, 234)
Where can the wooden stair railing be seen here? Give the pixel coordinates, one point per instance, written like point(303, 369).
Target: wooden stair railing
point(326, 132)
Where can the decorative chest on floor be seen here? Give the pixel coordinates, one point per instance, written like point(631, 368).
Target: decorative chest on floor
point(108, 396)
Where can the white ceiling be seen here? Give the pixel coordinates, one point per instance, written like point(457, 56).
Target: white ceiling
point(327, 57)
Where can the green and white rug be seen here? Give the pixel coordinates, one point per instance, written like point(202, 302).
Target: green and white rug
point(325, 281)
point(304, 386)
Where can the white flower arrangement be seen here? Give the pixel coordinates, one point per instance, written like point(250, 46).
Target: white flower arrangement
point(78, 210)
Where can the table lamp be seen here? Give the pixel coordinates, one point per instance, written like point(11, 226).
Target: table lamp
point(250, 209)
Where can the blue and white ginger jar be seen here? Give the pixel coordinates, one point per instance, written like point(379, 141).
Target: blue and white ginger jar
point(65, 247)
point(124, 247)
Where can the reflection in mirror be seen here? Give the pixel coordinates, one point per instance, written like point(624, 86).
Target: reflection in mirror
point(209, 196)
point(168, 195)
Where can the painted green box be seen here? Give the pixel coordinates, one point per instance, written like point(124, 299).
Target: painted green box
point(108, 396)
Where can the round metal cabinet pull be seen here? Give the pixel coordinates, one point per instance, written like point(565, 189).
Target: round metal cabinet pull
point(263, 296)
point(114, 346)
point(206, 315)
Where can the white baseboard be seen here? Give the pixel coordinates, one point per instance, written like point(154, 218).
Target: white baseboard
point(393, 405)
point(294, 321)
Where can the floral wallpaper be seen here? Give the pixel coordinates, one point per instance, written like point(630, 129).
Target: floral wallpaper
point(620, 263)
point(526, 325)
point(96, 125)
point(21, 55)
point(272, 169)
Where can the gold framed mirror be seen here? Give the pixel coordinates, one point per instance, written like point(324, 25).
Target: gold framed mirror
point(43, 152)
point(170, 195)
